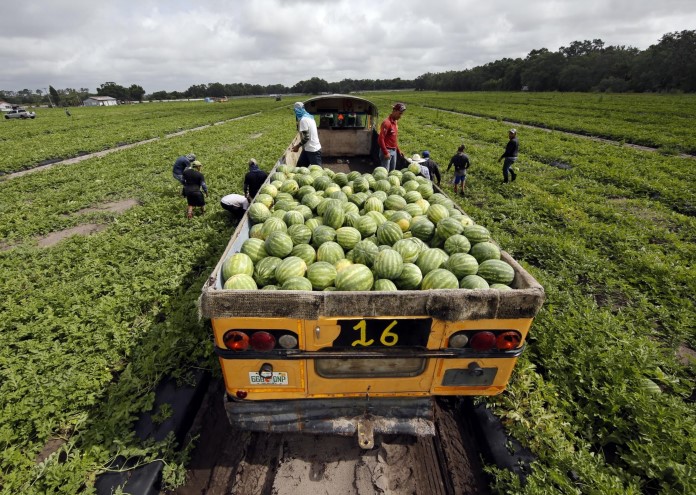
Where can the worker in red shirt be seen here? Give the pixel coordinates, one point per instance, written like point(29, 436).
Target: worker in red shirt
point(389, 137)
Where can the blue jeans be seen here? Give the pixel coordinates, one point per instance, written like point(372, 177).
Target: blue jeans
point(507, 167)
point(389, 163)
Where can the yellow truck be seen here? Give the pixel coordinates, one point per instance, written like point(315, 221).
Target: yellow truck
point(359, 362)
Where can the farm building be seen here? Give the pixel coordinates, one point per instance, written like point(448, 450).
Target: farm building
point(4, 106)
point(100, 101)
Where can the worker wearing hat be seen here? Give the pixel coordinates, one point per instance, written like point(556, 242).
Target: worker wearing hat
point(181, 164)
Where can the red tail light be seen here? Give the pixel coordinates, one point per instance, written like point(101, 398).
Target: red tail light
point(236, 341)
point(262, 341)
point(241, 394)
point(482, 341)
point(508, 340)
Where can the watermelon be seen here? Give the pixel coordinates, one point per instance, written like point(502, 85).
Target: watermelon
point(304, 251)
point(486, 250)
point(473, 282)
point(348, 237)
point(367, 226)
point(500, 287)
point(264, 270)
point(380, 173)
point(373, 204)
point(270, 287)
point(436, 212)
point(237, 263)
point(422, 228)
point(361, 185)
point(408, 249)
point(402, 219)
point(273, 224)
point(240, 281)
point(254, 248)
point(269, 189)
point(296, 283)
point(388, 233)
point(292, 266)
point(461, 264)
point(278, 244)
point(258, 212)
point(341, 179)
point(365, 252)
point(388, 264)
point(382, 185)
point(447, 227)
point(410, 277)
point(457, 244)
point(293, 217)
point(496, 272)
point(314, 222)
point(311, 201)
point(305, 210)
point(255, 231)
point(356, 277)
point(431, 259)
point(439, 279)
point(322, 234)
point(394, 202)
point(426, 190)
point(341, 264)
point(383, 284)
point(300, 234)
point(334, 215)
point(476, 233)
point(330, 252)
point(321, 182)
point(321, 275)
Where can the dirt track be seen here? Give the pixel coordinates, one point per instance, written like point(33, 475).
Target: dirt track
point(243, 463)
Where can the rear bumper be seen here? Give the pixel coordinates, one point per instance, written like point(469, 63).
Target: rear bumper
point(346, 416)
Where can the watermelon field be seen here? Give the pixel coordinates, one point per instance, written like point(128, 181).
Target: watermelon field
point(603, 396)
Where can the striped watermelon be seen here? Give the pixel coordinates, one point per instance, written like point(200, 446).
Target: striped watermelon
point(254, 248)
point(388, 264)
point(258, 212)
point(430, 259)
point(270, 287)
point(439, 279)
point(292, 266)
point(278, 244)
point(296, 283)
point(341, 264)
point(311, 201)
point(269, 189)
point(300, 234)
point(500, 287)
point(356, 277)
point(422, 228)
point(380, 173)
point(322, 234)
point(473, 282)
point(408, 249)
point(447, 227)
point(365, 252)
point(462, 264)
point(373, 204)
point(367, 226)
point(334, 215)
point(348, 237)
point(410, 277)
point(237, 263)
point(330, 252)
point(483, 251)
point(457, 244)
point(496, 272)
point(426, 190)
point(273, 224)
point(293, 217)
point(264, 270)
point(383, 284)
point(476, 233)
point(394, 202)
point(321, 275)
point(241, 281)
point(402, 219)
point(304, 251)
point(388, 233)
point(436, 212)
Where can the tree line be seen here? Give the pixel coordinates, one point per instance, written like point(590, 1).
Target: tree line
point(583, 66)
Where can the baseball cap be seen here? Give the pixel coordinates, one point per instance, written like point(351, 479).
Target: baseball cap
point(399, 107)
point(426, 154)
point(513, 131)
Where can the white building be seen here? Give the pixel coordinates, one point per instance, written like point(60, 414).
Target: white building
point(100, 101)
point(4, 106)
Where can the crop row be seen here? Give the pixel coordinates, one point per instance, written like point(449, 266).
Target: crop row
point(658, 121)
point(90, 325)
point(54, 135)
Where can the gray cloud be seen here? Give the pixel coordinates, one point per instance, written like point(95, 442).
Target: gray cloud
point(172, 45)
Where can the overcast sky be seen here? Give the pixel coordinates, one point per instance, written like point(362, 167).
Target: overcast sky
point(171, 45)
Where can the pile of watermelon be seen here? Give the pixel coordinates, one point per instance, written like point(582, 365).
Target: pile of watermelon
point(314, 229)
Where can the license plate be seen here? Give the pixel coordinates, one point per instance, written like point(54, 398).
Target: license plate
point(278, 378)
point(358, 334)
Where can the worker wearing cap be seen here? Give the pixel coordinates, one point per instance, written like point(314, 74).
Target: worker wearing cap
point(388, 139)
point(510, 156)
point(181, 164)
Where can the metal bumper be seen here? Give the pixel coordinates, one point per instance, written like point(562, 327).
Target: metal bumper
point(349, 416)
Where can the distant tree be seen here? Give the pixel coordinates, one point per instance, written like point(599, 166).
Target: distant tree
point(114, 90)
point(136, 92)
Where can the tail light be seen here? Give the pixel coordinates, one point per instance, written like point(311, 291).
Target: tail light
point(236, 340)
point(262, 341)
point(508, 340)
point(483, 341)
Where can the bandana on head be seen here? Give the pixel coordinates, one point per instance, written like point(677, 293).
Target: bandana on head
point(300, 111)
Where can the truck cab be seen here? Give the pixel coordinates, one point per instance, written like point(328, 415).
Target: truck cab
point(19, 113)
